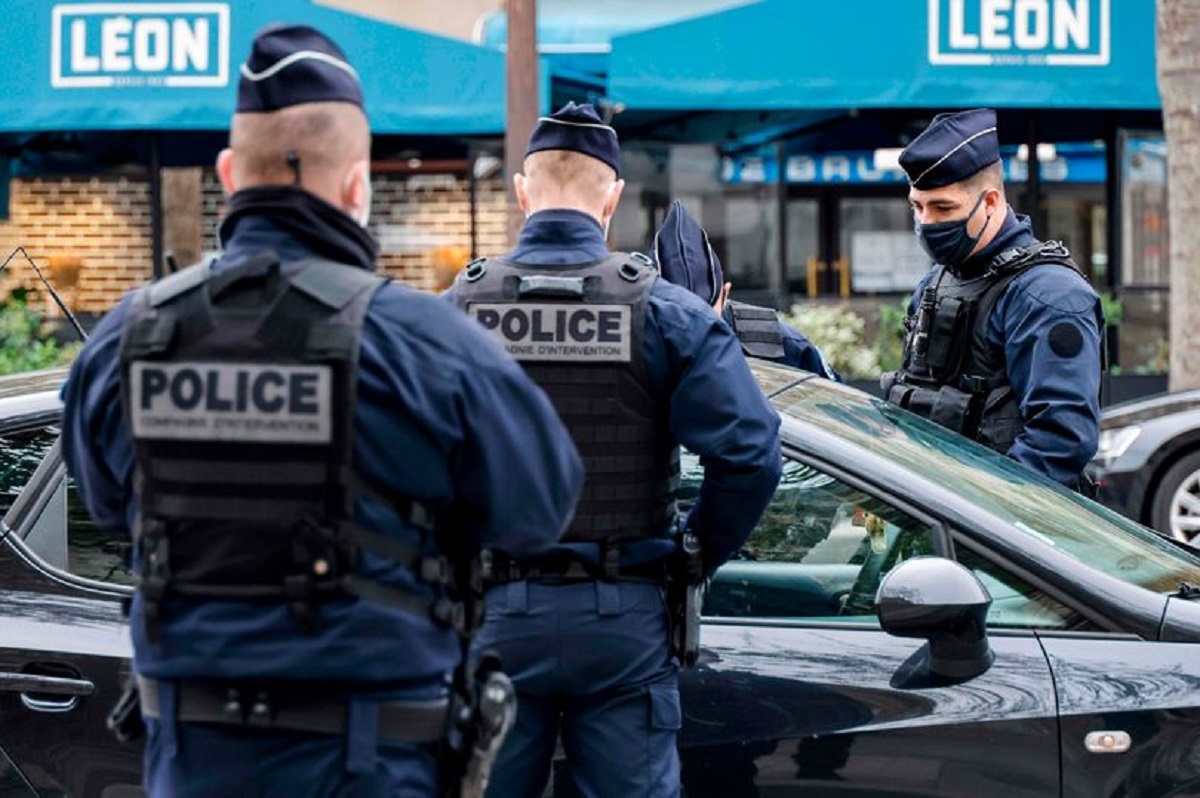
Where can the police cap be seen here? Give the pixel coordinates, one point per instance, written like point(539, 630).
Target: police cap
point(294, 64)
point(577, 128)
point(952, 148)
point(685, 256)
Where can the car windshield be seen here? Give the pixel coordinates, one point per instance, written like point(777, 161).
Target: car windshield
point(1094, 535)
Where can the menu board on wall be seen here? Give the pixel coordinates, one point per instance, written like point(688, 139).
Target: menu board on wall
point(886, 260)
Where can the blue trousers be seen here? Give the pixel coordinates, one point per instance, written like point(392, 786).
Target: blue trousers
point(212, 760)
point(592, 660)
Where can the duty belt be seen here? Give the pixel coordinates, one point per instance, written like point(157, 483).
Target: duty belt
point(210, 702)
point(499, 569)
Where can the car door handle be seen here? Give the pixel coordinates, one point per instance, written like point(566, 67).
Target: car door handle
point(46, 693)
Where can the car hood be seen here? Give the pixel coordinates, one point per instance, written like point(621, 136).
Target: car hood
point(1143, 410)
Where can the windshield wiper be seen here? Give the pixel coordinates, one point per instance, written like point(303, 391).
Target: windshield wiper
point(1187, 591)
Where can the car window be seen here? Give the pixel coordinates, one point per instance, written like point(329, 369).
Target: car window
point(1028, 502)
point(56, 526)
point(20, 454)
point(819, 551)
point(1017, 604)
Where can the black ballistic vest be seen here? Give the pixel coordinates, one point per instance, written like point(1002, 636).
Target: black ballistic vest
point(578, 331)
point(949, 373)
point(757, 330)
point(239, 391)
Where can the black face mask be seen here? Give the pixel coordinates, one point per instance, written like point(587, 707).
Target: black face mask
point(948, 243)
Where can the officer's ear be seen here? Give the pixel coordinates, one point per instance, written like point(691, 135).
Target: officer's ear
point(614, 196)
point(225, 170)
point(993, 201)
point(522, 192)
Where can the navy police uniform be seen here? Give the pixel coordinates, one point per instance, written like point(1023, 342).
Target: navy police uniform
point(301, 450)
point(636, 366)
point(1003, 345)
point(686, 258)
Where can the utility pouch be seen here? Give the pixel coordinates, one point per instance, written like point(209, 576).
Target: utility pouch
point(125, 718)
point(955, 410)
point(948, 336)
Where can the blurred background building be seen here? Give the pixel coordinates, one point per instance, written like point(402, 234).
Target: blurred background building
point(777, 122)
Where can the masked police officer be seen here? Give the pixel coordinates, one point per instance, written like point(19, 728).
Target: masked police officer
point(1004, 332)
point(686, 258)
point(304, 454)
point(635, 366)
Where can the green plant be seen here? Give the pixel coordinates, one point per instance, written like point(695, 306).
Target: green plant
point(1114, 309)
point(889, 340)
point(838, 333)
point(24, 343)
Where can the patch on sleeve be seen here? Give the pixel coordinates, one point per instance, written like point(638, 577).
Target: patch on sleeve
point(1066, 340)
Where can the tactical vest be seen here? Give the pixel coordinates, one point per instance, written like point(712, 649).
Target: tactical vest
point(239, 391)
point(950, 374)
point(757, 330)
point(578, 332)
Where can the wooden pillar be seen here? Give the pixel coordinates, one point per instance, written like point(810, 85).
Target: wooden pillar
point(181, 211)
point(523, 95)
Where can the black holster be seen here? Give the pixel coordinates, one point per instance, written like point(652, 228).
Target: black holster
point(482, 711)
point(686, 586)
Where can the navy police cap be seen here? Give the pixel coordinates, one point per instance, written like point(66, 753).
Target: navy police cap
point(953, 147)
point(577, 128)
point(685, 256)
point(294, 64)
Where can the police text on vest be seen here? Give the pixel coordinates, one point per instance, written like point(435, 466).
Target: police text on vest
point(557, 331)
point(246, 402)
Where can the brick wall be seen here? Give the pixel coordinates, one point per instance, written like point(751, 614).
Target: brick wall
point(104, 222)
point(411, 216)
point(101, 222)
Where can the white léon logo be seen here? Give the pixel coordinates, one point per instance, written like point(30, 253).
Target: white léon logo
point(1019, 32)
point(102, 45)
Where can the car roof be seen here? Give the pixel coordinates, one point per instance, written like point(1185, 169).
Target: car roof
point(31, 399)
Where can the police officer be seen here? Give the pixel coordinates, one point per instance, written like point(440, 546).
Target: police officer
point(1004, 332)
point(304, 454)
point(685, 257)
point(636, 366)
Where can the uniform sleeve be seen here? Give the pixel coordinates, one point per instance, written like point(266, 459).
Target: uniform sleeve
point(96, 445)
point(518, 467)
point(802, 353)
point(1049, 322)
point(718, 412)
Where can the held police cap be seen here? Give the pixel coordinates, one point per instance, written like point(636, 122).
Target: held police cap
point(295, 64)
point(577, 128)
point(953, 147)
point(685, 256)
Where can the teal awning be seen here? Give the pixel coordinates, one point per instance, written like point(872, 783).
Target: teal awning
point(846, 54)
point(173, 66)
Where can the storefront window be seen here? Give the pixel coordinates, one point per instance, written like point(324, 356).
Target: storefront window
point(803, 247)
point(878, 246)
point(1145, 253)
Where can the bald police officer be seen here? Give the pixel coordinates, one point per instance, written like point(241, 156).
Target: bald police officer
point(1004, 332)
point(305, 455)
point(635, 366)
point(685, 257)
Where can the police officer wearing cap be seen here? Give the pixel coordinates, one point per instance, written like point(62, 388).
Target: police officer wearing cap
point(305, 455)
point(637, 367)
point(1004, 333)
point(685, 257)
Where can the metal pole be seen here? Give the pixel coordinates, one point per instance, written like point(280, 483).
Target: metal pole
point(156, 210)
point(523, 97)
point(473, 200)
point(1033, 179)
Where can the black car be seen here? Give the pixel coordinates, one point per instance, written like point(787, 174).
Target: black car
point(1148, 465)
point(1032, 643)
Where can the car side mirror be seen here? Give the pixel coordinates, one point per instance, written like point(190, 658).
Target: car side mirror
point(943, 602)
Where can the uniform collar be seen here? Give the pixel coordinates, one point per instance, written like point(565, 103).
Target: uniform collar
point(1016, 231)
point(297, 225)
point(560, 237)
